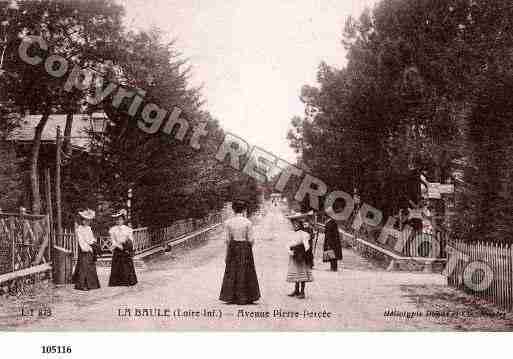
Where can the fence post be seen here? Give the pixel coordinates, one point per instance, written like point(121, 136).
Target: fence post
point(49, 208)
point(13, 254)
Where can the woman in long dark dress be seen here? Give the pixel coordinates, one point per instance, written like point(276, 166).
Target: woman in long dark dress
point(85, 276)
point(240, 282)
point(122, 269)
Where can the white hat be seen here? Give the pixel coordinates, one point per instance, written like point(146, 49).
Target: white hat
point(87, 214)
point(120, 213)
point(299, 216)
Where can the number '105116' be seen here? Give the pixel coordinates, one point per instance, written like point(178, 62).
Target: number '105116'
point(56, 349)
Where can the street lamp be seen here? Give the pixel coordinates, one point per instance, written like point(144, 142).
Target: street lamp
point(97, 128)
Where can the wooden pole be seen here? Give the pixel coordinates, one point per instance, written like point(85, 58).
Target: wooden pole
point(13, 254)
point(49, 210)
point(58, 202)
point(62, 269)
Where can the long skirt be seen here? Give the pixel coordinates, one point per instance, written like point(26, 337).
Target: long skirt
point(85, 276)
point(122, 271)
point(299, 271)
point(240, 282)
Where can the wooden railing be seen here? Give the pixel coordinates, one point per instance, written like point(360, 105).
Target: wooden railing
point(497, 286)
point(145, 238)
point(24, 241)
point(420, 245)
point(66, 242)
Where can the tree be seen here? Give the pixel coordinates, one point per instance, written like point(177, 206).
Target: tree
point(169, 179)
point(82, 31)
point(10, 173)
point(415, 79)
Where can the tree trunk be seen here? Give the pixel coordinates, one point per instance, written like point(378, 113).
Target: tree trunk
point(34, 163)
point(67, 134)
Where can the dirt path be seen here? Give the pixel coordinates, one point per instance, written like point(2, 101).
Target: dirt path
point(187, 281)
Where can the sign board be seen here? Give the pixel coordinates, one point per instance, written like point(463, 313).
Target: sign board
point(446, 188)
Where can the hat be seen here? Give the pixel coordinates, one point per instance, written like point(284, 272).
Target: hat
point(297, 216)
point(120, 213)
point(87, 214)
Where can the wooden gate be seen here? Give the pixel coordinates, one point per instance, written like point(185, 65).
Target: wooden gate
point(24, 241)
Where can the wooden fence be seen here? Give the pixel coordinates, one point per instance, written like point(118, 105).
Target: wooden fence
point(24, 241)
point(145, 238)
point(425, 244)
point(498, 258)
point(417, 245)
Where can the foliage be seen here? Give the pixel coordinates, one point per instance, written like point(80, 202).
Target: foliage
point(410, 100)
point(169, 179)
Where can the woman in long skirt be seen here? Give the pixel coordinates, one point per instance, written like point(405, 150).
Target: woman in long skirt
point(300, 265)
point(122, 269)
point(240, 282)
point(85, 276)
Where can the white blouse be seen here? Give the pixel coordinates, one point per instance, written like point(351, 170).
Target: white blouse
point(85, 237)
point(120, 234)
point(239, 228)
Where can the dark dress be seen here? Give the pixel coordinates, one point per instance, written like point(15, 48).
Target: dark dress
point(332, 239)
point(240, 282)
point(85, 276)
point(122, 270)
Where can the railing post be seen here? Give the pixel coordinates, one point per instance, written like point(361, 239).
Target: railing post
point(13, 254)
point(49, 209)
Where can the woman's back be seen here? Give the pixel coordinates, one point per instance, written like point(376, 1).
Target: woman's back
point(239, 228)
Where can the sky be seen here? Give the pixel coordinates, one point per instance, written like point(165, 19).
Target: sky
point(252, 57)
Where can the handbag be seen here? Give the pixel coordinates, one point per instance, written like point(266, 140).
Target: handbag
point(299, 252)
point(328, 255)
point(96, 251)
point(128, 248)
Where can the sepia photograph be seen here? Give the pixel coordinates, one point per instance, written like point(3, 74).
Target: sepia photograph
point(242, 166)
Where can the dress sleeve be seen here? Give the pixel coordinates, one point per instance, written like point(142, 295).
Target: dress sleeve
point(250, 234)
point(90, 236)
point(227, 232)
point(113, 238)
point(130, 234)
point(306, 240)
point(82, 240)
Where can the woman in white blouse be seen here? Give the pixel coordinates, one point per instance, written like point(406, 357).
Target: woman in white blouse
point(85, 276)
point(240, 282)
point(122, 269)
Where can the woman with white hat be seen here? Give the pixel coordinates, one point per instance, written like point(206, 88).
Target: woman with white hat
point(122, 269)
point(85, 276)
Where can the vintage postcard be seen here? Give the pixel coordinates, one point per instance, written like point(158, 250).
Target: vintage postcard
point(256, 166)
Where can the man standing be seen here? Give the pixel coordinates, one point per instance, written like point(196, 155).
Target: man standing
point(332, 246)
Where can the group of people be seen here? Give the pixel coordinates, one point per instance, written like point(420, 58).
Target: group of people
point(122, 272)
point(240, 282)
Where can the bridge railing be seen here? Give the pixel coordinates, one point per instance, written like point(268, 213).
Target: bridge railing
point(424, 244)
